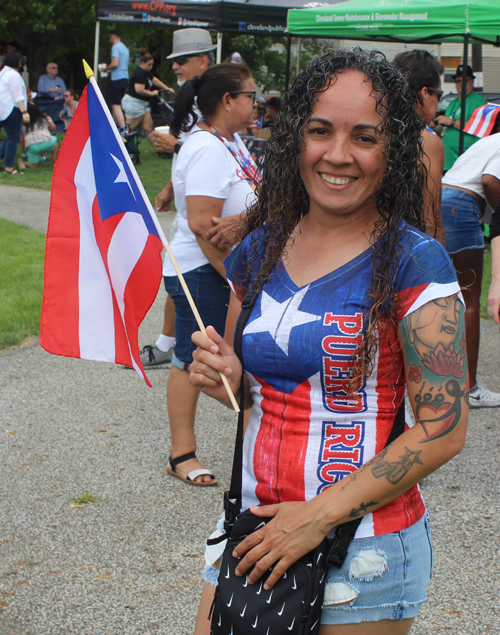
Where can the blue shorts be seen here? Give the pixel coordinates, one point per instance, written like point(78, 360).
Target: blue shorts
point(462, 221)
point(210, 293)
point(383, 578)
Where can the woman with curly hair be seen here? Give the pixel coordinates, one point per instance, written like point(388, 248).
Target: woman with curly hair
point(356, 305)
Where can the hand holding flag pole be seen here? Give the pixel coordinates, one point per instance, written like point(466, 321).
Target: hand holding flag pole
point(91, 77)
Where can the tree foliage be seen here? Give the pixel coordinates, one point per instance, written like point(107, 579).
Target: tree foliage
point(43, 30)
point(63, 31)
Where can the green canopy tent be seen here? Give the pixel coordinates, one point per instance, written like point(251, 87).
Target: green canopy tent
point(411, 21)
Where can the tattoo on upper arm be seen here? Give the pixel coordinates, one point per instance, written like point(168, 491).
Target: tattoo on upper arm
point(436, 356)
point(394, 471)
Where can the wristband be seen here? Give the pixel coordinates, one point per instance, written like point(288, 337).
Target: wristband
point(452, 122)
point(23, 112)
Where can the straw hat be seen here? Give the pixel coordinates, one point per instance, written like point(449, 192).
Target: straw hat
point(191, 42)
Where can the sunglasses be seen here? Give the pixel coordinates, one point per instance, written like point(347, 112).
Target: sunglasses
point(435, 91)
point(245, 92)
point(183, 59)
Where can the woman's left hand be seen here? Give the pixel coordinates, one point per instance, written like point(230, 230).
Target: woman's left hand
point(295, 530)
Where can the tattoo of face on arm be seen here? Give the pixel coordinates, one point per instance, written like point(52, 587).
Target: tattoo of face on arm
point(436, 356)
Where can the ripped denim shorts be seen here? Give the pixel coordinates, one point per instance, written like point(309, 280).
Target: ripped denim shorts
point(383, 578)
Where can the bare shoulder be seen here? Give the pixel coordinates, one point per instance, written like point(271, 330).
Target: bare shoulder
point(432, 144)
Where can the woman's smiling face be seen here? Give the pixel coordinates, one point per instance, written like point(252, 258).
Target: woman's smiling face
point(342, 161)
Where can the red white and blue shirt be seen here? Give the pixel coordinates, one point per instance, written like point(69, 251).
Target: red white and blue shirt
point(306, 430)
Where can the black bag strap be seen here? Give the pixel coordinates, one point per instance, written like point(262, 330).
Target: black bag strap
point(232, 498)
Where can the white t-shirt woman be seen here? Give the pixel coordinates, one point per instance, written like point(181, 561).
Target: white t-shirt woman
point(205, 167)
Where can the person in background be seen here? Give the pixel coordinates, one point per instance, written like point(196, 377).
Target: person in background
point(192, 53)
point(235, 58)
point(13, 108)
point(355, 307)
point(3, 50)
point(119, 76)
point(273, 105)
point(37, 138)
point(70, 103)
point(494, 292)
point(142, 87)
point(471, 191)
point(214, 176)
point(423, 73)
point(259, 111)
point(51, 85)
point(451, 119)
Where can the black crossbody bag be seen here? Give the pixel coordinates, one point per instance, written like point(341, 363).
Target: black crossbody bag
point(293, 606)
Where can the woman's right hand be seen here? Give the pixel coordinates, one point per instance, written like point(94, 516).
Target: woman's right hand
point(214, 356)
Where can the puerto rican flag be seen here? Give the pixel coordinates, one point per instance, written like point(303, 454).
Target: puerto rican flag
point(103, 254)
point(482, 121)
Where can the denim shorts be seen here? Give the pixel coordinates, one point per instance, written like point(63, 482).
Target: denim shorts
point(383, 578)
point(134, 108)
point(210, 293)
point(462, 221)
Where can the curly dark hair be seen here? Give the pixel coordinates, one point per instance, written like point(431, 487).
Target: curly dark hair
point(283, 200)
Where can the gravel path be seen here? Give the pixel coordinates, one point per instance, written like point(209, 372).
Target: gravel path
point(130, 564)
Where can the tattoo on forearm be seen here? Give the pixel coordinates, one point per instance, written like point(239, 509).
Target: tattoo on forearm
point(352, 477)
point(396, 470)
point(363, 508)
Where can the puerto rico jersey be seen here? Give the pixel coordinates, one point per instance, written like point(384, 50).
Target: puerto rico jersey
point(307, 430)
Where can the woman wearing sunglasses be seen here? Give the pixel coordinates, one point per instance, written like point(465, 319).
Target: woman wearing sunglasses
point(70, 103)
point(213, 177)
point(423, 73)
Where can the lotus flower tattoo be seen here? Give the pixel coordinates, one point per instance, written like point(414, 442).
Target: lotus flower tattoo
point(445, 362)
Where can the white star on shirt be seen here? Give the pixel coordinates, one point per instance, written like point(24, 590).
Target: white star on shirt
point(279, 318)
point(122, 175)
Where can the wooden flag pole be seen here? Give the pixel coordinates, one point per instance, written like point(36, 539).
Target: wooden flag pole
point(91, 77)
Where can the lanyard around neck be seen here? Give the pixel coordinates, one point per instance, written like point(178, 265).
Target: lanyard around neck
point(245, 162)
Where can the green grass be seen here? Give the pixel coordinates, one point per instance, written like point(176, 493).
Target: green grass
point(153, 172)
point(84, 499)
point(21, 282)
point(22, 250)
